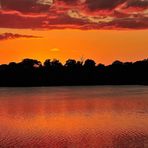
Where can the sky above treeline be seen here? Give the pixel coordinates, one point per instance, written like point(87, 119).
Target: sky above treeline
point(103, 30)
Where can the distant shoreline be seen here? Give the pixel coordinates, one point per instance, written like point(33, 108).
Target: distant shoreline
point(36, 86)
point(31, 73)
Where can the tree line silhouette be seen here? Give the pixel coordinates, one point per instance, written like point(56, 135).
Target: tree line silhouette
point(32, 72)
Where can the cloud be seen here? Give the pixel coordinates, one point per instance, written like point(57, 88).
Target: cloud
point(6, 36)
point(103, 4)
point(54, 49)
point(26, 6)
point(74, 14)
point(138, 3)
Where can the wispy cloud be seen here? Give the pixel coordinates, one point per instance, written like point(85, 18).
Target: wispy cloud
point(54, 49)
point(6, 36)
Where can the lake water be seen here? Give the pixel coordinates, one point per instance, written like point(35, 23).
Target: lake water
point(74, 117)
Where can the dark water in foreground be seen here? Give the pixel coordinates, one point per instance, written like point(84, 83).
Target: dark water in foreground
point(74, 117)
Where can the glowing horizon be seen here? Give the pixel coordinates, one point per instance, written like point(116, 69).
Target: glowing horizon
point(73, 29)
point(101, 46)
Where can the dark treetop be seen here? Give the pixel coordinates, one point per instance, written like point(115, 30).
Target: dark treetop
point(31, 72)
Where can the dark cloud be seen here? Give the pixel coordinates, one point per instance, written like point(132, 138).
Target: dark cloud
point(25, 6)
point(103, 4)
point(138, 3)
point(69, 1)
point(80, 14)
point(14, 20)
point(6, 36)
point(129, 23)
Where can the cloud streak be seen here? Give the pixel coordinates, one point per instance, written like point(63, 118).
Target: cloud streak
point(7, 36)
point(74, 14)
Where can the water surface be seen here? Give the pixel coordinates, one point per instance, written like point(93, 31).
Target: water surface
point(74, 117)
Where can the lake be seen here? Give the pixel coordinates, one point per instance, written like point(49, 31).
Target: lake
point(74, 117)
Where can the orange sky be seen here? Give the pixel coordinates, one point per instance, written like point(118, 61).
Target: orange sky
point(103, 30)
point(102, 46)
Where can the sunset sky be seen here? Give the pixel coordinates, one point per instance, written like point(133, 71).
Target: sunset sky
point(103, 30)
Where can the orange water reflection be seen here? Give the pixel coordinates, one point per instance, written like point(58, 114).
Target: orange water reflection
point(113, 117)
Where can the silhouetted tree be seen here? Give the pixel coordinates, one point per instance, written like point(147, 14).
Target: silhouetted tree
point(117, 63)
point(30, 63)
point(90, 64)
point(47, 63)
point(70, 63)
point(31, 72)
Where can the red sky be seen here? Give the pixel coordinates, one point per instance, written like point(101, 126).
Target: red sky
point(104, 30)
